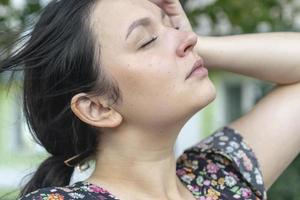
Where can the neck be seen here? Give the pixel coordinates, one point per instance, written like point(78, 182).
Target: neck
point(138, 163)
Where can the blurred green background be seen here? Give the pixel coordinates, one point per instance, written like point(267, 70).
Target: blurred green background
point(18, 153)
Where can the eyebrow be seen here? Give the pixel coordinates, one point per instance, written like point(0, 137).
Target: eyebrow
point(141, 22)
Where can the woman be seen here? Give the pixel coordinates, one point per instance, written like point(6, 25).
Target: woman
point(107, 83)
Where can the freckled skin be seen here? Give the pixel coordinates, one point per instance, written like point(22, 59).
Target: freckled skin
point(156, 99)
point(152, 80)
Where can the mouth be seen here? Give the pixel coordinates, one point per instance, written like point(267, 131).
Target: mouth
point(198, 68)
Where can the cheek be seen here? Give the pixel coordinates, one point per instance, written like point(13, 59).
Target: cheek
point(148, 85)
point(148, 98)
point(147, 81)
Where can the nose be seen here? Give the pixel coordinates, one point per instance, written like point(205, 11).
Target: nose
point(189, 40)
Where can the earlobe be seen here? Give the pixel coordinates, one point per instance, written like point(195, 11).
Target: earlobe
point(95, 111)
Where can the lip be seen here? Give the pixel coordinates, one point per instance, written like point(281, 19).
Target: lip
point(197, 65)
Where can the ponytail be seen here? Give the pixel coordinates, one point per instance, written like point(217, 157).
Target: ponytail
point(51, 172)
point(59, 62)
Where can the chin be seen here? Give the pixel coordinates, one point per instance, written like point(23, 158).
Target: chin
point(213, 93)
point(205, 96)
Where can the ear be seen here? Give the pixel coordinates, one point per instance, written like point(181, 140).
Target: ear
point(95, 111)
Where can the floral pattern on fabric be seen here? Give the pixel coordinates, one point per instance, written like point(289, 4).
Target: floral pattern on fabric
point(221, 167)
point(78, 191)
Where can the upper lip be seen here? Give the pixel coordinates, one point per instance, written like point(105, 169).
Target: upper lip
point(197, 64)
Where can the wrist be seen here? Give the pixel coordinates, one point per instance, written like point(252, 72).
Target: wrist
point(204, 49)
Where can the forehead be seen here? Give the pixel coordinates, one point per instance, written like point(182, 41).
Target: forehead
point(111, 18)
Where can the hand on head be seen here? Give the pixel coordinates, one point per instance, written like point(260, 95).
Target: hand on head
point(176, 13)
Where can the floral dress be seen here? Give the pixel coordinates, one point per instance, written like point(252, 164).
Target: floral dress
point(220, 167)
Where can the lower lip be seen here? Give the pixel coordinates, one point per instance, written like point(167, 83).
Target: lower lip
point(201, 71)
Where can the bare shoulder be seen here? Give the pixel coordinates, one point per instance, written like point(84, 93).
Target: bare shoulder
point(272, 129)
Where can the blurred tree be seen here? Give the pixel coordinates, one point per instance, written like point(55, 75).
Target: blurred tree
point(244, 16)
point(15, 17)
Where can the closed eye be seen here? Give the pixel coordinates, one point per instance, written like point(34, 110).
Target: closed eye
point(149, 42)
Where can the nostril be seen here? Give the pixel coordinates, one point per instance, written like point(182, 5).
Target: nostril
point(187, 44)
point(188, 47)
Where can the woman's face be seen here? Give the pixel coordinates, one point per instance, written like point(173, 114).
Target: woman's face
point(152, 78)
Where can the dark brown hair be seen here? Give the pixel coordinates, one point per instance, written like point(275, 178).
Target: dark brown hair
point(60, 59)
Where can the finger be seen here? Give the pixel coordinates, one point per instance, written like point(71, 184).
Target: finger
point(159, 3)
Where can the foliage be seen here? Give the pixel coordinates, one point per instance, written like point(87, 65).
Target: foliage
point(244, 16)
point(14, 19)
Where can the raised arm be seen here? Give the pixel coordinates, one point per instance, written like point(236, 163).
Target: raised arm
point(271, 57)
point(272, 127)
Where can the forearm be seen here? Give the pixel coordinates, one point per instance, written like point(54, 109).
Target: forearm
point(272, 57)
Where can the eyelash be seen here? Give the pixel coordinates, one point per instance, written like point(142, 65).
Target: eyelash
point(149, 42)
point(152, 40)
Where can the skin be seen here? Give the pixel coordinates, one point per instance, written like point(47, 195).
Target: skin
point(271, 127)
point(138, 134)
point(272, 57)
